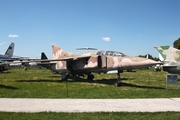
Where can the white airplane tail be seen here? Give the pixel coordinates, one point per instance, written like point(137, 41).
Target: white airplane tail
point(9, 52)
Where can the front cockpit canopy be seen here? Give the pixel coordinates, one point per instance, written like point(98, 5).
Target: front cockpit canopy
point(110, 53)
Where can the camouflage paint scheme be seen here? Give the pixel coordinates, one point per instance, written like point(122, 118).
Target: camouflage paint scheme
point(95, 62)
point(171, 58)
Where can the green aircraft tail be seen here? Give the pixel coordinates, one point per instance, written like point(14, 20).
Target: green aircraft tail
point(169, 53)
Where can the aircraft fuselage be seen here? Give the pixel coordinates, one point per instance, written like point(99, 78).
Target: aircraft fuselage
point(103, 64)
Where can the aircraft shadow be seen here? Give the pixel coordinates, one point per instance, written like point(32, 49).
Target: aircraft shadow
point(5, 72)
point(7, 87)
point(112, 81)
point(131, 71)
point(140, 86)
point(98, 81)
point(37, 81)
point(54, 77)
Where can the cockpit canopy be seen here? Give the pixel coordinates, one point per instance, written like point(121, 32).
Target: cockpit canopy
point(110, 53)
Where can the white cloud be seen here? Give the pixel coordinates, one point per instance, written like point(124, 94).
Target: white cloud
point(107, 39)
point(13, 35)
point(2, 43)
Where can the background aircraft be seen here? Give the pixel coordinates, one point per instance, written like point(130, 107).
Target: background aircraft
point(9, 52)
point(6, 58)
point(73, 65)
point(171, 58)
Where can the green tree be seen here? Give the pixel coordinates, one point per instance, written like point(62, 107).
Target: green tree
point(176, 43)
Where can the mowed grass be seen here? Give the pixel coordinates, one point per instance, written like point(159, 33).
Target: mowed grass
point(91, 116)
point(42, 83)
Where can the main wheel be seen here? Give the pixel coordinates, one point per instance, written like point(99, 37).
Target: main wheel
point(90, 77)
point(117, 84)
point(64, 77)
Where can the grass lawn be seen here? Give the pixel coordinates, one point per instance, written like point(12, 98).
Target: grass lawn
point(42, 83)
point(91, 116)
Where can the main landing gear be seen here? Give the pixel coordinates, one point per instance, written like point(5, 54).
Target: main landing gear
point(64, 77)
point(90, 77)
point(118, 83)
point(67, 76)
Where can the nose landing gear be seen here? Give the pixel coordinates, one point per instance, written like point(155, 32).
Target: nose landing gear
point(118, 83)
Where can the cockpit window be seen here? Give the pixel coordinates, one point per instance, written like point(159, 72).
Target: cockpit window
point(110, 53)
point(107, 52)
point(100, 53)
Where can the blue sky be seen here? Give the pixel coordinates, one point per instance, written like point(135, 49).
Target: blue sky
point(133, 27)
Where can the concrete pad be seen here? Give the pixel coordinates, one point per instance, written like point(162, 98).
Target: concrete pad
point(89, 105)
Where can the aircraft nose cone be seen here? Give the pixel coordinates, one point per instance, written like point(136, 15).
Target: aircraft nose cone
point(148, 62)
point(151, 62)
point(139, 62)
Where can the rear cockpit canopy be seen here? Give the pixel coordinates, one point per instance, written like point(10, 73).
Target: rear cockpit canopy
point(110, 53)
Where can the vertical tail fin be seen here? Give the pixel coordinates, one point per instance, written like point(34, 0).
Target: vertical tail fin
point(169, 53)
point(57, 52)
point(43, 56)
point(10, 50)
point(44, 64)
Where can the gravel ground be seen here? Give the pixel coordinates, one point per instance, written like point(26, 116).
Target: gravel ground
point(89, 105)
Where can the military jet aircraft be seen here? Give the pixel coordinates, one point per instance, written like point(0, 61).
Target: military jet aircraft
point(100, 61)
point(171, 58)
point(9, 52)
point(5, 58)
point(8, 60)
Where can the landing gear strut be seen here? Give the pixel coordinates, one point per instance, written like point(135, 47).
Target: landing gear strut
point(118, 83)
point(72, 72)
